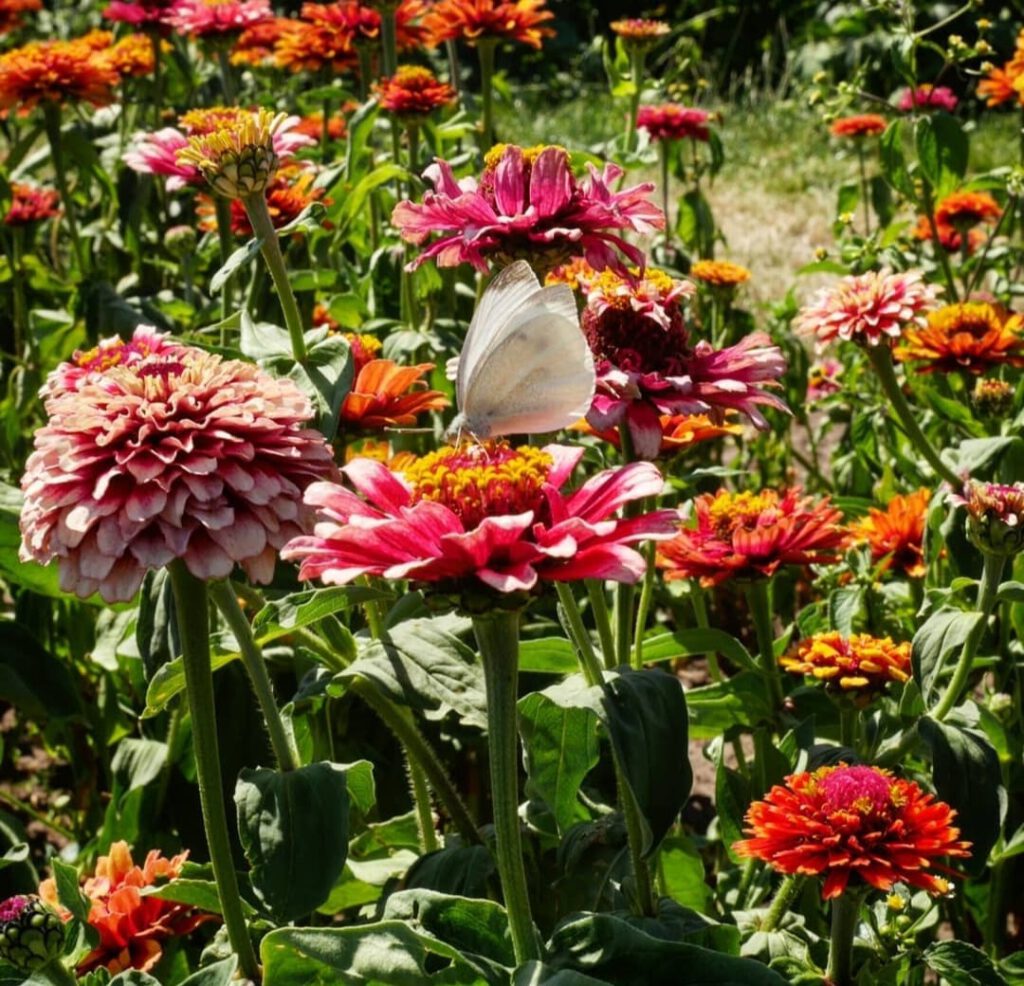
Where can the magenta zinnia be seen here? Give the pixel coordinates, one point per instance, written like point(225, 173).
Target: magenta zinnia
point(485, 514)
point(217, 18)
point(178, 454)
point(528, 205)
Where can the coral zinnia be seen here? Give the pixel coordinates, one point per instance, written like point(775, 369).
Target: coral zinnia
point(965, 209)
point(473, 21)
point(928, 97)
point(256, 45)
point(860, 664)
point(413, 92)
point(867, 308)
point(678, 432)
point(217, 18)
point(138, 11)
point(861, 125)
point(752, 535)
point(131, 925)
point(178, 454)
point(55, 72)
point(972, 336)
point(485, 514)
point(11, 12)
point(527, 205)
point(949, 237)
point(1003, 85)
point(858, 823)
point(670, 121)
point(31, 204)
point(896, 534)
point(719, 273)
point(638, 33)
point(385, 394)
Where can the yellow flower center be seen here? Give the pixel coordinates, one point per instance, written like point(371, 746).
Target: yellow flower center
point(478, 481)
point(102, 358)
point(974, 317)
point(730, 512)
point(209, 118)
point(530, 154)
point(617, 292)
point(413, 77)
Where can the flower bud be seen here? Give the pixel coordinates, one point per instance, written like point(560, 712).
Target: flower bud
point(995, 516)
point(31, 935)
point(181, 241)
point(992, 398)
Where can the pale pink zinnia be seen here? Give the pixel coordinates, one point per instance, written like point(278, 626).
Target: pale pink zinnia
point(868, 308)
point(928, 97)
point(179, 454)
point(528, 205)
point(210, 18)
point(485, 514)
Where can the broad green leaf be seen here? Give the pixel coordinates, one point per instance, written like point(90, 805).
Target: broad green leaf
point(216, 974)
point(739, 701)
point(14, 855)
point(894, 165)
point(35, 682)
point(240, 258)
point(138, 762)
point(300, 609)
point(69, 893)
point(682, 873)
point(538, 974)
point(462, 871)
point(732, 798)
point(694, 641)
point(961, 964)
point(941, 150)
point(201, 894)
point(169, 682)
point(133, 977)
point(549, 655)
point(941, 634)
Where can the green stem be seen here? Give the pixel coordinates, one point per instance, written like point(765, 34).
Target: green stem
point(602, 618)
point(759, 599)
point(22, 335)
point(865, 191)
point(665, 200)
point(252, 658)
point(412, 133)
point(497, 635)
point(158, 79)
point(51, 120)
point(227, 76)
point(421, 801)
point(637, 61)
point(54, 973)
point(365, 70)
point(645, 903)
point(389, 39)
point(881, 359)
point(928, 202)
point(988, 590)
point(784, 898)
point(848, 726)
point(644, 607)
point(589, 664)
point(226, 242)
point(485, 52)
point(845, 912)
point(270, 246)
point(194, 629)
point(700, 614)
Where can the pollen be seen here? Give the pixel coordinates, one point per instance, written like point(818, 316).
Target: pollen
point(730, 512)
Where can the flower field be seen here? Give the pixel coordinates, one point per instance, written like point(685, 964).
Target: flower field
point(431, 556)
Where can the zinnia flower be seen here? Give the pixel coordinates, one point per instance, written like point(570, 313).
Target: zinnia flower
point(972, 336)
point(823, 379)
point(138, 11)
point(867, 308)
point(31, 204)
point(928, 97)
point(752, 535)
point(896, 534)
point(950, 238)
point(678, 432)
point(995, 516)
point(312, 126)
point(861, 125)
point(640, 34)
point(177, 454)
point(386, 395)
point(860, 664)
point(965, 209)
point(12, 11)
point(217, 18)
point(132, 926)
point(670, 121)
point(256, 45)
point(486, 514)
point(364, 348)
point(719, 273)
point(993, 398)
point(853, 823)
point(31, 934)
point(472, 21)
point(131, 57)
point(413, 92)
point(289, 194)
point(1003, 85)
point(55, 72)
point(527, 205)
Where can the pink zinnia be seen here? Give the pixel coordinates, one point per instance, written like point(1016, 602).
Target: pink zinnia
point(670, 121)
point(529, 206)
point(179, 454)
point(205, 18)
point(927, 97)
point(138, 12)
point(868, 308)
point(485, 514)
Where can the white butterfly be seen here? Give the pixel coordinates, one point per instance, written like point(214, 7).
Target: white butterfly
point(525, 366)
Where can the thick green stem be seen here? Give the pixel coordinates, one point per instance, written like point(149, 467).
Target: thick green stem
point(988, 592)
point(644, 607)
point(602, 618)
point(389, 39)
point(637, 63)
point(227, 75)
point(54, 973)
point(194, 629)
point(365, 70)
point(848, 726)
point(485, 51)
point(881, 360)
point(226, 242)
point(700, 614)
point(270, 246)
point(845, 912)
point(784, 898)
point(497, 635)
point(759, 599)
point(252, 658)
point(51, 120)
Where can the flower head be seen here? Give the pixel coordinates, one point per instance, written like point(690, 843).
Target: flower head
point(670, 121)
point(473, 21)
point(257, 44)
point(289, 194)
point(860, 665)
point(364, 348)
point(679, 432)
point(719, 273)
point(752, 535)
point(527, 205)
point(12, 11)
point(217, 18)
point(31, 934)
point(413, 92)
point(172, 454)
point(965, 209)
point(867, 308)
point(1003, 84)
point(132, 926)
point(385, 394)
point(640, 34)
point(860, 125)
point(312, 126)
point(130, 57)
point(949, 237)
point(853, 823)
point(971, 336)
point(823, 379)
point(928, 97)
point(480, 514)
point(138, 12)
point(896, 534)
point(995, 516)
point(31, 204)
point(992, 398)
point(55, 72)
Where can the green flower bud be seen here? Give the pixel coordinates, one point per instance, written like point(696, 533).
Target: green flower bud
point(31, 935)
point(995, 516)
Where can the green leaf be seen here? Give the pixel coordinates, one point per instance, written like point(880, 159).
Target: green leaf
point(299, 609)
point(216, 974)
point(35, 682)
point(458, 870)
point(241, 257)
point(645, 714)
point(41, 579)
point(326, 376)
point(739, 701)
point(16, 854)
point(694, 641)
point(538, 974)
point(138, 762)
point(1012, 592)
point(966, 774)
point(961, 964)
point(941, 150)
point(201, 894)
point(894, 165)
point(942, 633)
point(732, 798)
point(69, 893)
point(169, 682)
point(549, 655)
point(696, 225)
point(133, 977)
point(682, 873)
point(560, 747)
point(847, 608)
point(293, 827)
point(355, 199)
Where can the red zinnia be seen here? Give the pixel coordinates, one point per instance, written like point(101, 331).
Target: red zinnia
point(856, 822)
point(54, 72)
point(11, 12)
point(413, 91)
point(896, 534)
point(861, 125)
point(670, 121)
point(31, 204)
point(960, 209)
point(473, 21)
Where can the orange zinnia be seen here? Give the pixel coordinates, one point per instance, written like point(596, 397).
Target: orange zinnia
point(388, 395)
point(255, 45)
point(131, 925)
point(719, 273)
point(1006, 84)
point(896, 534)
point(131, 56)
point(972, 336)
point(860, 664)
point(524, 21)
point(858, 823)
point(12, 10)
point(949, 236)
point(413, 91)
point(54, 72)
point(961, 209)
point(678, 432)
point(860, 125)
point(639, 33)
